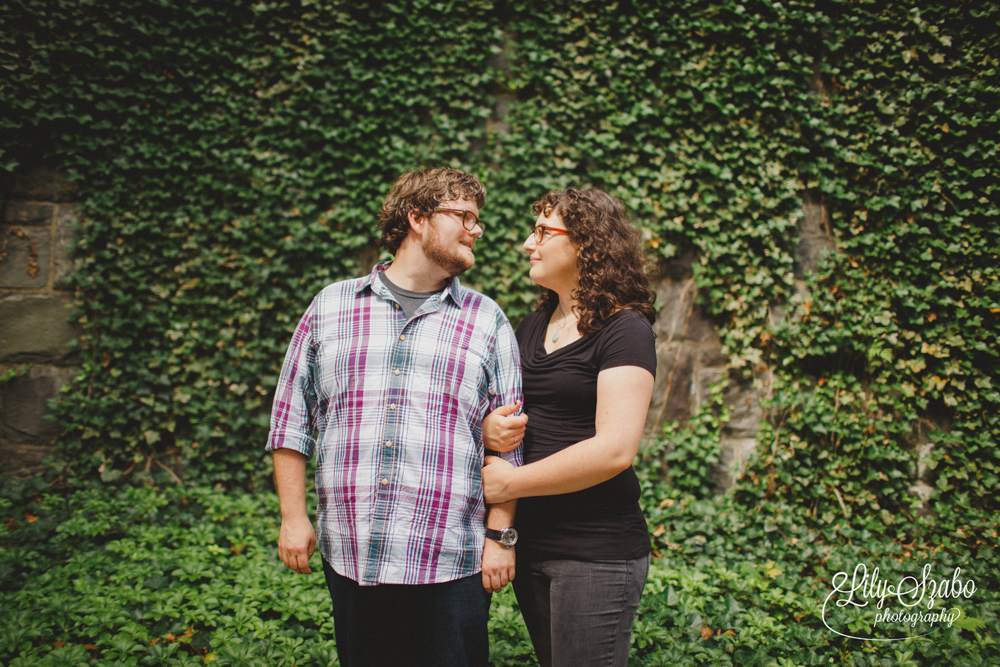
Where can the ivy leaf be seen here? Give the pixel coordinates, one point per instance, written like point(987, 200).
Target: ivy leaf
point(966, 622)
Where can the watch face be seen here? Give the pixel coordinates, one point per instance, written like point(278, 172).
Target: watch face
point(507, 537)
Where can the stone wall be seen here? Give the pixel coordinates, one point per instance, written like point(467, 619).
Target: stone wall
point(689, 352)
point(689, 361)
point(36, 230)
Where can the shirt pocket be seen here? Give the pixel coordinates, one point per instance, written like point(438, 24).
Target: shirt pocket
point(453, 370)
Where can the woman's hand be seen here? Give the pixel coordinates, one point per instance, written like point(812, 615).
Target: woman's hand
point(497, 476)
point(501, 431)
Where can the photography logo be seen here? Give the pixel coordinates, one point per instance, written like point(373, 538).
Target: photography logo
point(917, 604)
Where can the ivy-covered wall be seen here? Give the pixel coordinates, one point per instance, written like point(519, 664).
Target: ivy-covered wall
point(230, 158)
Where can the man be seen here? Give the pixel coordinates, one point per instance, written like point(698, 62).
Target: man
point(387, 379)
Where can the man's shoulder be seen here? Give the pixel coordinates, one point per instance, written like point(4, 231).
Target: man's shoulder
point(342, 288)
point(479, 302)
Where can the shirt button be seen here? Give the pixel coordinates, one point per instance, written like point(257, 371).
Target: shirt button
point(396, 372)
point(388, 443)
point(384, 481)
point(392, 406)
point(402, 337)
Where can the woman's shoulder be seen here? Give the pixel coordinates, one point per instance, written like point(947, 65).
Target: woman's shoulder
point(628, 320)
point(627, 339)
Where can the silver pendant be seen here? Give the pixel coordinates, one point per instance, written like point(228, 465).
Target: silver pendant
point(555, 336)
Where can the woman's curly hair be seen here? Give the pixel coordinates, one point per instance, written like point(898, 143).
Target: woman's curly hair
point(614, 273)
point(422, 191)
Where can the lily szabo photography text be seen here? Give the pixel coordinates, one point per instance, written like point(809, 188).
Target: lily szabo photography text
point(916, 602)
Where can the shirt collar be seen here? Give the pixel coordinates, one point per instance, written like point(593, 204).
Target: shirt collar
point(451, 290)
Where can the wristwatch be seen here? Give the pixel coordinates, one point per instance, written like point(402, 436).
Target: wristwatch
point(507, 537)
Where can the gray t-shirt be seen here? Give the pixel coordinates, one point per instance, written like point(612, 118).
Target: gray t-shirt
point(408, 301)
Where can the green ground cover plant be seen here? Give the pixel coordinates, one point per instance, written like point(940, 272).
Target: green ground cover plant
point(169, 575)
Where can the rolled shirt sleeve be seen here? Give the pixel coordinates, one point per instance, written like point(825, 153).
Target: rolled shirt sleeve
point(294, 420)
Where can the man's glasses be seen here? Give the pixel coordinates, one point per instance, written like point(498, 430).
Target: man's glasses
point(468, 218)
point(540, 232)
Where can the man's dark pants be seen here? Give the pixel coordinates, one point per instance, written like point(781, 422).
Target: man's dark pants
point(394, 625)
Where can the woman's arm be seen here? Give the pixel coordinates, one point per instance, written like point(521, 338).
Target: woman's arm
point(623, 395)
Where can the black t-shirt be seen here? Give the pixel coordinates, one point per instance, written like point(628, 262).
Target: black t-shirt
point(603, 522)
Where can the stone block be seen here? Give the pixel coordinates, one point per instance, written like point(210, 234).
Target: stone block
point(35, 328)
point(40, 183)
point(733, 456)
point(28, 214)
point(675, 297)
point(745, 411)
point(498, 120)
point(681, 318)
point(704, 379)
point(922, 491)
point(368, 257)
point(24, 404)
point(21, 459)
point(922, 429)
point(671, 399)
point(25, 257)
point(677, 268)
point(65, 234)
point(710, 355)
point(815, 235)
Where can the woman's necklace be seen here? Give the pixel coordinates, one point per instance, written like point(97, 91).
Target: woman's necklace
point(562, 323)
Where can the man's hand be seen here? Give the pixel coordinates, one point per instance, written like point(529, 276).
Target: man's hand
point(501, 431)
point(296, 539)
point(497, 474)
point(498, 566)
point(296, 544)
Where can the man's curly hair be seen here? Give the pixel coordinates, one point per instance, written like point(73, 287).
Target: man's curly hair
point(422, 191)
point(614, 273)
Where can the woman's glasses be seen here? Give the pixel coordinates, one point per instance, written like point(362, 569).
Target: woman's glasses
point(542, 232)
point(468, 218)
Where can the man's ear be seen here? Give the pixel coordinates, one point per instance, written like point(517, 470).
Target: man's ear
point(417, 221)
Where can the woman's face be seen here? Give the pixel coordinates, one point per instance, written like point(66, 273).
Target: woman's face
point(553, 260)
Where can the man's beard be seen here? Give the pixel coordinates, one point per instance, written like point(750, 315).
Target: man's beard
point(452, 262)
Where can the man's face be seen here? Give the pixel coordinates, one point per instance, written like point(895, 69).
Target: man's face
point(447, 243)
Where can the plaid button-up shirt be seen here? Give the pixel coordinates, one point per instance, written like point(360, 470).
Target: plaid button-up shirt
point(392, 407)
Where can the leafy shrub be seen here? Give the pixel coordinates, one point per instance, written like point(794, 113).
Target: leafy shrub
point(174, 576)
point(156, 576)
point(682, 463)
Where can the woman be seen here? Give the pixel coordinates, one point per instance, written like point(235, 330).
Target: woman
point(588, 359)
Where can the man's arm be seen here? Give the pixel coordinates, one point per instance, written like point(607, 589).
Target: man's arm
point(498, 562)
point(296, 539)
point(291, 441)
point(504, 372)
